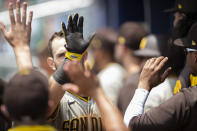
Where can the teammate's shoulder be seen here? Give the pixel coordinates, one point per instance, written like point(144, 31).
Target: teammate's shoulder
point(190, 94)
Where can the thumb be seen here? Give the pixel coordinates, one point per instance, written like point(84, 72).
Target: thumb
point(89, 41)
point(165, 74)
point(88, 68)
point(3, 29)
point(91, 37)
point(64, 31)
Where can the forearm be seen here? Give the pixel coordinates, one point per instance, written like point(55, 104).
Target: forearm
point(56, 93)
point(111, 116)
point(136, 106)
point(23, 57)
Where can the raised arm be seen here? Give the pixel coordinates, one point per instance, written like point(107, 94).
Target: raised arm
point(150, 77)
point(89, 86)
point(19, 35)
point(76, 48)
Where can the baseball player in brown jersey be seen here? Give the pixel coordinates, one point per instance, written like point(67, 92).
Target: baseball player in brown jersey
point(70, 111)
point(185, 80)
point(185, 12)
point(180, 111)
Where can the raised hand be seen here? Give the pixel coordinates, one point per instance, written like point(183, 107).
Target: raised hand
point(76, 46)
point(87, 82)
point(152, 74)
point(19, 34)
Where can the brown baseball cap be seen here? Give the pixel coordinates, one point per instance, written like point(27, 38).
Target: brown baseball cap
point(130, 34)
point(152, 46)
point(26, 95)
point(190, 41)
point(184, 6)
point(105, 39)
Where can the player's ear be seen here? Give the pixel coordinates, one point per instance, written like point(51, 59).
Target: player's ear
point(5, 112)
point(195, 56)
point(51, 63)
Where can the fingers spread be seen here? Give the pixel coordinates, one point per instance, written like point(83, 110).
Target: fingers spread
point(30, 21)
point(3, 29)
point(11, 13)
point(147, 63)
point(75, 20)
point(64, 30)
point(18, 13)
point(80, 24)
point(157, 61)
point(162, 63)
point(70, 24)
point(150, 63)
point(165, 74)
point(24, 14)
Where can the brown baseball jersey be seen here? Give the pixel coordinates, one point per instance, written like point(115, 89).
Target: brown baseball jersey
point(179, 113)
point(127, 92)
point(185, 80)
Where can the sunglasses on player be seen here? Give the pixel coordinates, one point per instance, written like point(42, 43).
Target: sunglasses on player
point(189, 50)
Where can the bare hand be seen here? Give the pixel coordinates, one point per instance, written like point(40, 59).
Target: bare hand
point(86, 82)
point(151, 75)
point(20, 33)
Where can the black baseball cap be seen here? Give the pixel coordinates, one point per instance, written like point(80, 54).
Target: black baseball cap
point(190, 41)
point(26, 95)
point(152, 46)
point(184, 6)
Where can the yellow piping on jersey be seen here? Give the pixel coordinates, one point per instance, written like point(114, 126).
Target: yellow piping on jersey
point(80, 97)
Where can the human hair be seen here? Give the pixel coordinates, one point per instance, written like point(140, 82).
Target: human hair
point(176, 57)
point(26, 96)
point(5, 124)
point(55, 35)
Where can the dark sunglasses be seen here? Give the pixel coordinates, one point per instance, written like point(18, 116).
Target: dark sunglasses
point(189, 50)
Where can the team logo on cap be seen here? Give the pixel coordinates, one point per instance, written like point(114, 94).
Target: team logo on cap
point(193, 43)
point(143, 43)
point(179, 6)
point(121, 40)
point(97, 43)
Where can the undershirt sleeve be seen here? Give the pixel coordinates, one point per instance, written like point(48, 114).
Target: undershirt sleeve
point(136, 106)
